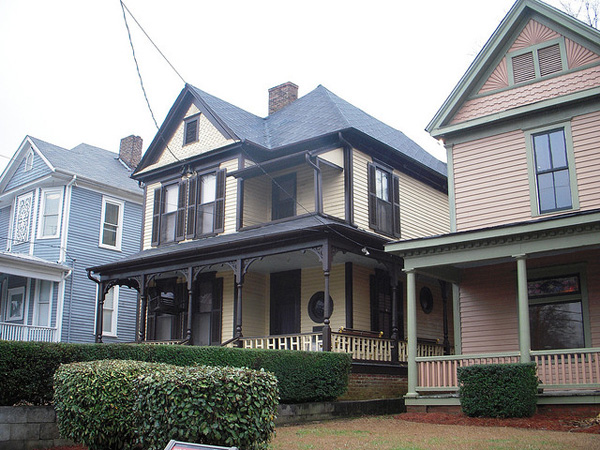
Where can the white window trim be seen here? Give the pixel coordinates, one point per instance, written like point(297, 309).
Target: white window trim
point(10, 293)
point(113, 325)
point(121, 206)
point(15, 217)
point(36, 303)
point(41, 215)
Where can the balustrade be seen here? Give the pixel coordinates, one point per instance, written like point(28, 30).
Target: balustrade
point(17, 332)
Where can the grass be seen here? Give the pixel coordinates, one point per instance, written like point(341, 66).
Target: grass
point(389, 433)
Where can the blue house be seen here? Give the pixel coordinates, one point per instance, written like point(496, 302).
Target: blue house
point(62, 210)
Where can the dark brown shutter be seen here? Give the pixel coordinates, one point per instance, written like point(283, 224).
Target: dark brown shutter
point(396, 206)
point(191, 131)
point(156, 216)
point(523, 68)
point(550, 60)
point(372, 196)
point(180, 218)
point(191, 208)
point(220, 202)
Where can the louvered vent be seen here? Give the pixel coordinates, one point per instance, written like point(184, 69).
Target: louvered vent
point(191, 131)
point(550, 60)
point(523, 68)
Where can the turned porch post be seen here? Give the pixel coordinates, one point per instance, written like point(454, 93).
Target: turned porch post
point(100, 312)
point(188, 331)
point(239, 282)
point(523, 302)
point(326, 305)
point(143, 310)
point(443, 286)
point(394, 336)
point(411, 329)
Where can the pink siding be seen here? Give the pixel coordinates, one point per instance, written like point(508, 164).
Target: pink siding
point(491, 184)
point(488, 309)
point(528, 94)
point(586, 135)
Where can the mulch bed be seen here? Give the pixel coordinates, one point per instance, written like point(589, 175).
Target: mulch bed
point(571, 423)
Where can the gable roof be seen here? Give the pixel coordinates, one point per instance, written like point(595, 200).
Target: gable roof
point(86, 161)
point(497, 46)
point(318, 113)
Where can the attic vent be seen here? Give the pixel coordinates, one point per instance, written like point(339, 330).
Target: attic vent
point(191, 130)
point(550, 60)
point(523, 68)
point(28, 161)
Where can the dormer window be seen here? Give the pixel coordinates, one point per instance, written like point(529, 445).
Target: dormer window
point(29, 161)
point(537, 62)
point(191, 130)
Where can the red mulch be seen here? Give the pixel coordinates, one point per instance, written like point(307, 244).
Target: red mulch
point(572, 423)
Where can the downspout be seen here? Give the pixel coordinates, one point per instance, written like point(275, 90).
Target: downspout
point(100, 299)
point(318, 182)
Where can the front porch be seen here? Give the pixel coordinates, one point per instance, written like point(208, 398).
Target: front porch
point(18, 332)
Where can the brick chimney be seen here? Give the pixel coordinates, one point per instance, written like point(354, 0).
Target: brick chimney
point(281, 96)
point(130, 151)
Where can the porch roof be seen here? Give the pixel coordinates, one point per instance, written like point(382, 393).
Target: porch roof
point(268, 239)
point(31, 267)
point(443, 255)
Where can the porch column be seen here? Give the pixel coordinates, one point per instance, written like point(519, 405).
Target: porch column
point(100, 313)
point(411, 331)
point(239, 282)
point(188, 331)
point(394, 336)
point(326, 306)
point(143, 310)
point(456, 317)
point(443, 286)
point(523, 307)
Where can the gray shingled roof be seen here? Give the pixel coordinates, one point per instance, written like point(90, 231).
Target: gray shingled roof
point(318, 113)
point(92, 163)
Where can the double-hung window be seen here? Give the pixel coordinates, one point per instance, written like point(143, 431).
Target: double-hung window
point(42, 305)
point(49, 226)
point(384, 200)
point(552, 168)
point(109, 312)
point(111, 228)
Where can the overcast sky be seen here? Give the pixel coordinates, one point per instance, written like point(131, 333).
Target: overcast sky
point(67, 73)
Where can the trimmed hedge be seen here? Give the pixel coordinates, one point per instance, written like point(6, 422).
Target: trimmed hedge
point(498, 390)
point(130, 404)
point(27, 368)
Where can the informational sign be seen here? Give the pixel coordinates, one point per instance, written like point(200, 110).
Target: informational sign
point(176, 445)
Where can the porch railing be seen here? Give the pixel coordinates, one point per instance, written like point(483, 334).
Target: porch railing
point(556, 369)
point(362, 347)
point(17, 332)
point(310, 342)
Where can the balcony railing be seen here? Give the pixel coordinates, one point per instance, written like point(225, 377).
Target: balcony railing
point(558, 369)
point(17, 332)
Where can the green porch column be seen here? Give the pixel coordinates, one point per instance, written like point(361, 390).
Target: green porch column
point(523, 307)
point(411, 331)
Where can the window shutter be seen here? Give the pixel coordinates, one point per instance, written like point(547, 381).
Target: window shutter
point(191, 208)
point(372, 196)
point(396, 206)
point(220, 202)
point(191, 131)
point(180, 218)
point(156, 216)
point(523, 68)
point(550, 60)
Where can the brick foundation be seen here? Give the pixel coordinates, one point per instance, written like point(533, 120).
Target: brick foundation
point(372, 382)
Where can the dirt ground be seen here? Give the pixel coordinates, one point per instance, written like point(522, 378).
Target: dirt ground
point(438, 431)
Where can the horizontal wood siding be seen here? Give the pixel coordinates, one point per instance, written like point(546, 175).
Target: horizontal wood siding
point(4, 227)
point(361, 189)
point(254, 318)
point(586, 135)
point(227, 319)
point(230, 196)
point(305, 189)
point(361, 302)
point(313, 280)
point(21, 177)
point(431, 326)
point(491, 181)
point(488, 309)
point(257, 192)
point(149, 205)
point(424, 210)
point(333, 192)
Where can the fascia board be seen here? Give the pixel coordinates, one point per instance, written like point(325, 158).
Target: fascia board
point(19, 155)
point(32, 269)
point(104, 188)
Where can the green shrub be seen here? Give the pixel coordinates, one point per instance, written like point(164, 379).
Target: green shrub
point(27, 368)
point(212, 405)
point(498, 390)
point(94, 402)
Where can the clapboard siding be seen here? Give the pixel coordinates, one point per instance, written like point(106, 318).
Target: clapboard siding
point(361, 301)
point(227, 325)
point(361, 189)
point(230, 196)
point(488, 309)
point(431, 326)
point(333, 192)
point(586, 134)
point(5, 216)
point(254, 318)
point(491, 185)
point(256, 200)
point(312, 281)
point(20, 177)
point(424, 211)
point(149, 205)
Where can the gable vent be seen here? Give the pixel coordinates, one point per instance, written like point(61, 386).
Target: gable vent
point(550, 60)
point(523, 67)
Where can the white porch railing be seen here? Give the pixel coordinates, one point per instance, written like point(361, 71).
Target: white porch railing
point(16, 332)
point(362, 347)
point(567, 368)
point(310, 342)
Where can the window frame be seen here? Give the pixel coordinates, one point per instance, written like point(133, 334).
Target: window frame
point(534, 201)
point(187, 125)
point(534, 50)
point(560, 271)
point(9, 294)
point(174, 185)
point(119, 234)
point(393, 190)
point(36, 303)
point(42, 214)
point(15, 218)
point(115, 313)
